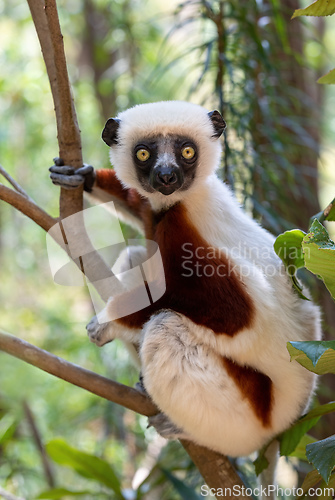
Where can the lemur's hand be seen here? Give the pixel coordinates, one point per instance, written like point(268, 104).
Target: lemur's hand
point(69, 178)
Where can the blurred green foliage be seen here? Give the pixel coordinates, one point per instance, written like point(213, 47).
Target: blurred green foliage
point(234, 56)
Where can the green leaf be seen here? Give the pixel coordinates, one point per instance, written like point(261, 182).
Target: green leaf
point(316, 356)
point(328, 78)
point(89, 466)
point(318, 8)
point(322, 455)
point(184, 491)
point(288, 247)
point(319, 255)
point(300, 450)
point(319, 411)
point(312, 479)
point(8, 426)
point(60, 492)
point(291, 439)
point(261, 462)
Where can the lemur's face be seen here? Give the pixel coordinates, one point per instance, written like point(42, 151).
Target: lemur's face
point(165, 164)
point(163, 149)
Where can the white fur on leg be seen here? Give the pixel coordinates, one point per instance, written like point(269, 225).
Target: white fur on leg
point(187, 380)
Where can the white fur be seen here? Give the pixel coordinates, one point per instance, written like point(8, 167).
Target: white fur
point(164, 118)
point(181, 361)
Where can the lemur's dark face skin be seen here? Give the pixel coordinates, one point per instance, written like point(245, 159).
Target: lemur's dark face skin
point(165, 164)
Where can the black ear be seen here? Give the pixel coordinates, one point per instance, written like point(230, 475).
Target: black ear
point(218, 122)
point(109, 133)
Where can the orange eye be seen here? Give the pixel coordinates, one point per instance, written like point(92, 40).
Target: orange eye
point(188, 153)
point(142, 154)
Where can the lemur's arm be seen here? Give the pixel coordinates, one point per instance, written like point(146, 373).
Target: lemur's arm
point(101, 186)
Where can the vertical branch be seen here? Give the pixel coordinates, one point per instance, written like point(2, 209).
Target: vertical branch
point(45, 16)
point(39, 443)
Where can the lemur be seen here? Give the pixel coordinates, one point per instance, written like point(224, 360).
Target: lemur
point(213, 347)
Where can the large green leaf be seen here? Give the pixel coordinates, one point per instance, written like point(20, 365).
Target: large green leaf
point(288, 246)
point(319, 255)
point(87, 465)
point(318, 8)
point(291, 439)
point(316, 356)
point(322, 455)
point(61, 492)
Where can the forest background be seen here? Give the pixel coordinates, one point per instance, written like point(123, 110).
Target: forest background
point(246, 59)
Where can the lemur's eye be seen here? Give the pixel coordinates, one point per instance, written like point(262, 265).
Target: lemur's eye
point(142, 154)
point(188, 152)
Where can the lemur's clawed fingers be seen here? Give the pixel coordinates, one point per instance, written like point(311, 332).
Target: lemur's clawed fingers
point(165, 427)
point(64, 170)
point(85, 170)
point(140, 386)
point(66, 181)
point(59, 162)
point(98, 333)
point(69, 178)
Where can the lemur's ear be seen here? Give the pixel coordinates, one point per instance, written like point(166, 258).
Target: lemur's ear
point(109, 133)
point(218, 123)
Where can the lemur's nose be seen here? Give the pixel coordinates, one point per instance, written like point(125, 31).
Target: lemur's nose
point(166, 177)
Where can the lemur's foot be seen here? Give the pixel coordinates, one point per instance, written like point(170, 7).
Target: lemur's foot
point(69, 178)
point(99, 333)
point(140, 386)
point(166, 428)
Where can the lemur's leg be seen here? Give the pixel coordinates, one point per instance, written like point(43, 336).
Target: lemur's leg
point(161, 422)
point(190, 383)
point(172, 367)
point(101, 329)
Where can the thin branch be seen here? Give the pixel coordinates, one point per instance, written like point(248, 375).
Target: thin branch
point(45, 17)
point(113, 391)
point(216, 469)
point(27, 206)
point(13, 182)
point(8, 496)
point(39, 444)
